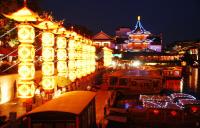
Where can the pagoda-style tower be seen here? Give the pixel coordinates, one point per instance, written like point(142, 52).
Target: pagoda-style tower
point(138, 38)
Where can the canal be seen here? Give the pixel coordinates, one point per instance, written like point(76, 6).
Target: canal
point(191, 81)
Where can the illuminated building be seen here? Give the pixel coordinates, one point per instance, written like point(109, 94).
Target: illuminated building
point(101, 39)
point(120, 37)
point(138, 38)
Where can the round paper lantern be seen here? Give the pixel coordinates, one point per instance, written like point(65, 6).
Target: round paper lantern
point(61, 42)
point(26, 33)
point(48, 54)
point(62, 66)
point(26, 71)
point(47, 39)
point(48, 68)
point(48, 82)
point(26, 52)
point(25, 89)
point(61, 54)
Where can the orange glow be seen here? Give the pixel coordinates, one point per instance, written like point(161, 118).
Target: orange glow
point(156, 112)
point(26, 52)
point(47, 39)
point(48, 25)
point(25, 89)
point(24, 14)
point(26, 33)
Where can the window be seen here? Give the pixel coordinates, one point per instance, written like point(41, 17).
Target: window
point(106, 44)
point(113, 81)
point(123, 82)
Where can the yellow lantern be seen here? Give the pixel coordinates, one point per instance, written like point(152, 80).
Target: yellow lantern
point(26, 71)
point(47, 39)
point(47, 68)
point(72, 75)
point(61, 42)
point(71, 64)
point(48, 54)
point(62, 66)
point(48, 82)
point(71, 44)
point(63, 74)
point(25, 89)
point(183, 63)
point(61, 54)
point(26, 33)
point(26, 52)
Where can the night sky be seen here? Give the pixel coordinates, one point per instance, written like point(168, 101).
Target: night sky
point(176, 19)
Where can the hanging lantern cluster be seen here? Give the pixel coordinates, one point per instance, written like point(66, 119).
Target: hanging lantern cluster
point(75, 55)
point(48, 81)
point(107, 56)
point(61, 43)
point(61, 56)
point(26, 51)
point(81, 57)
point(26, 55)
point(48, 41)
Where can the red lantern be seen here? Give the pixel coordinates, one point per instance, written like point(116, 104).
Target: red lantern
point(156, 111)
point(173, 113)
point(194, 109)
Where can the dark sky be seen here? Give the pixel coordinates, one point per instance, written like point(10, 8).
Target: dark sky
point(176, 19)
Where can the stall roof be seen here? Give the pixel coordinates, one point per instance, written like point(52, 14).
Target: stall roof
point(71, 102)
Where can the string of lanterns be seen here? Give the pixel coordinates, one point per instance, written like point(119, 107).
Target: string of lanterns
point(75, 53)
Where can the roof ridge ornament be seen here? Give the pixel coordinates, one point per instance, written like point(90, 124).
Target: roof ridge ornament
point(138, 18)
point(25, 3)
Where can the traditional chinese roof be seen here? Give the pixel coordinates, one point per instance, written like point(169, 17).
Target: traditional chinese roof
point(23, 14)
point(47, 25)
point(60, 30)
point(101, 36)
point(73, 102)
point(139, 29)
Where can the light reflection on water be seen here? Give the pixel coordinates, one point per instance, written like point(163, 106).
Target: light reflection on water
point(191, 83)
